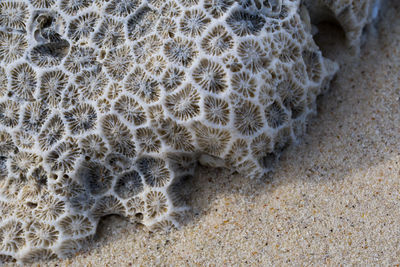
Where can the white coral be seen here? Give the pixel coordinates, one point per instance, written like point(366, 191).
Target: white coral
point(104, 106)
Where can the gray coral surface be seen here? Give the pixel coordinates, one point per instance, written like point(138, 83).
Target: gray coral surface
point(106, 105)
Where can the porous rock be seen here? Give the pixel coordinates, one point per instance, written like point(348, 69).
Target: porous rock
point(106, 105)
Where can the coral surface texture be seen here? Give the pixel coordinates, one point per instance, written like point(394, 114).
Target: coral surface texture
point(106, 105)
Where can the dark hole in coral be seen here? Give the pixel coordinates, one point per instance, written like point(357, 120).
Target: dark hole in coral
point(139, 216)
point(31, 205)
point(330, 36)
point(329, 33)
point(364, 35)
point(48, 21)
point(319, 100)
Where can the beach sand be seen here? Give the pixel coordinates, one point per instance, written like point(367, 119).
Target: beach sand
point(334, 198)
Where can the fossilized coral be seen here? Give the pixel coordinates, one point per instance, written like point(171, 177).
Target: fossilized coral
point(106, 105)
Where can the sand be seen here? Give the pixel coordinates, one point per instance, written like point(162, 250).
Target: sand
point(334, 198)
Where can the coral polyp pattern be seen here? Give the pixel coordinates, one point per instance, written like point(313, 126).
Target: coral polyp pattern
point(106, 105)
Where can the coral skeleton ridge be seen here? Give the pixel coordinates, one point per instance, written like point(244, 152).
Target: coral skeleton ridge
point(106, 105)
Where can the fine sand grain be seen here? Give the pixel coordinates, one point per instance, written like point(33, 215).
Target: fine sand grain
point(333, 199)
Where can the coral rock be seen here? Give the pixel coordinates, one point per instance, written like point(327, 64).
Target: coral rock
point(106, 105)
